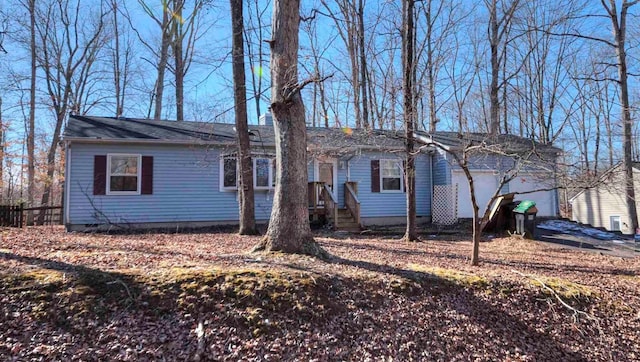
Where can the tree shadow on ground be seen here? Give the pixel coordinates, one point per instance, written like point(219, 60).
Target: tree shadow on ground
point(502, 324)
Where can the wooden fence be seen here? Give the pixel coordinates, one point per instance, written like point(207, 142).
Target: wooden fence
point(11, 215)
point(16, 215)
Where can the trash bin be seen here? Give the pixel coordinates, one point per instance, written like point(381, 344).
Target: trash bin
point(525, 217)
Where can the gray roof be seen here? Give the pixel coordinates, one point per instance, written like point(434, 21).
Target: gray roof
point(511, 143)
point(145, 130)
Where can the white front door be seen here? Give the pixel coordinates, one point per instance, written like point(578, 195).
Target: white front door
point(326, 171)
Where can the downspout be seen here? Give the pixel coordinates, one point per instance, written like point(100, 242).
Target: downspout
point(67, 184)
point(432, 185)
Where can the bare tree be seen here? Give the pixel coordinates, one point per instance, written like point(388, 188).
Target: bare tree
point(619, 26)
point(122, 57)
point(255, 34)
point(185, 30)
point(247, 202)
point(408, 65)
point(164, 22)
point(500, 21)
point(289, 229)
point(513, 158)
point(31, 126)
point(68, 51)
point(350, 25)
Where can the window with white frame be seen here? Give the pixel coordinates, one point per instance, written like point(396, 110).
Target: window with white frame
point(614, 223)
point(264, 174)
point(229, 173)
point(123, 174)
point(391, 175)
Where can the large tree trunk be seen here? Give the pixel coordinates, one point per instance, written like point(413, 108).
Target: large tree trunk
point(494, 42)
point(409, 117)
point(289, 229)
point(619, 32)
point(247, 201)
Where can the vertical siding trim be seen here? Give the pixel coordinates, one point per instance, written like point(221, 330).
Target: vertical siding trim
point(375, 175)
point(147, 175)
point(99, 174)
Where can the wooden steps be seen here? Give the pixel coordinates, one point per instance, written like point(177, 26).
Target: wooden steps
point(346, 221)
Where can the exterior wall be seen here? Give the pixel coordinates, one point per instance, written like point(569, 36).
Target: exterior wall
point(441, 168)
point(186, 188)
point(596, 206)
point(380, 204)
point(483, 167)
point(546, 201)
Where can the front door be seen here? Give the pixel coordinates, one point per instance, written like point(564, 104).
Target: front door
point(326, 172)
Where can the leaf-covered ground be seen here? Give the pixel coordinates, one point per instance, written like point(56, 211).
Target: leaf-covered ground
point(203, 297)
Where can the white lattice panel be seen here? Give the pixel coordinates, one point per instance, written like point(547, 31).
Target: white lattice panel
point(445, 204)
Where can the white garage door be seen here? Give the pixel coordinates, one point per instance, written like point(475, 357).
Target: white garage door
point(544, 199)
point(485, 184)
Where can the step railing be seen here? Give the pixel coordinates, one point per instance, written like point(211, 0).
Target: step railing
point(330, 205)
point(351, 200)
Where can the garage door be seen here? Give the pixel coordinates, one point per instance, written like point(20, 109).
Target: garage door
point(485, 184)
point(544, 199)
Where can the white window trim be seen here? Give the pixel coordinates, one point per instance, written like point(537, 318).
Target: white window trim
point(397, 161)
point(255, 175)
point(139, 175)
point(228, 188)
point(270, 176)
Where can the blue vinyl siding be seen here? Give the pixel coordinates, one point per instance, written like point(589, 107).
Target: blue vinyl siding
point(441, 169)
point(381, 204)
point(186, 187)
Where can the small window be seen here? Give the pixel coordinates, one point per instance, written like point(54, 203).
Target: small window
point(391, 175)
point(262, 173)
point(615, 223)
point(123, 174)
point(230, 173)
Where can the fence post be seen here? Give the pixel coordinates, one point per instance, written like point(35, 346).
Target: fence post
point(21, 217)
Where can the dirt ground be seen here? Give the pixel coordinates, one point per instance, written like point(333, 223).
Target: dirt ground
point(203, 296)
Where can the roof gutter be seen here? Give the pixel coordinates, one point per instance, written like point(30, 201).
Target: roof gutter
point(96, 140)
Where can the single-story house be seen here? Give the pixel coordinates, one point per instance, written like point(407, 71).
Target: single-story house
point(147, 173)
point(604, 204)
point(533, 164)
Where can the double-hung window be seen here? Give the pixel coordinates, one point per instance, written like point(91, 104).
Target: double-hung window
point(391, 175)
point(264, 173)
point(123, 174)
point(229, 173)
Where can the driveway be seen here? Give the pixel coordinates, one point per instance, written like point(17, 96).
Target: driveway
point(572, 235)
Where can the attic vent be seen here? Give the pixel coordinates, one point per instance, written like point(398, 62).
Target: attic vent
point(266, 119)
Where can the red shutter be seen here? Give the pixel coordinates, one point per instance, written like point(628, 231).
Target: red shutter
point(375, 175)
point(99, 175)
point(147, 175)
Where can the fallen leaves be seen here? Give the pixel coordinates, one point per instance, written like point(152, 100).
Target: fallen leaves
point(203, 296)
